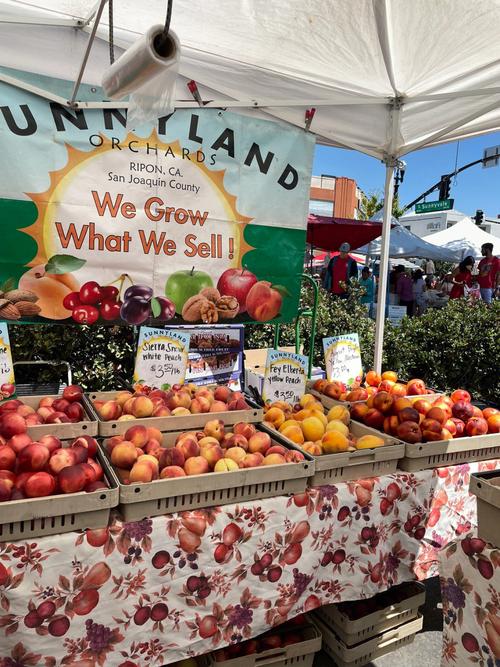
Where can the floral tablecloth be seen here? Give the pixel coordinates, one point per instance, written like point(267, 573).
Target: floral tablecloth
point(470, 585)
point(155, 591)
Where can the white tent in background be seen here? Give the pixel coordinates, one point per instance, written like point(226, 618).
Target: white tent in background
point(386, 77)
point(465, 238)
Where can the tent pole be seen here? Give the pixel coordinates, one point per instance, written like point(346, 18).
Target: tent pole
point(384, 264)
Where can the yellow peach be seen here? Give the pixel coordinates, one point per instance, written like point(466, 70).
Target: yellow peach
point(339, 413)
point(333, 442)
point(285, 425)
point(319, 414)
point(294, 433)
point(338, 426)
point(312, 428)
point(306, 399)
point(276, 416)
point(369, 442)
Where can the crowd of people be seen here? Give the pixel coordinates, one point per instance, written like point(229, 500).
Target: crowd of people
point(420, 288)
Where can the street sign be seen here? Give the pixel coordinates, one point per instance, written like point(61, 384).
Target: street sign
point(428, 206)
point(494, 154)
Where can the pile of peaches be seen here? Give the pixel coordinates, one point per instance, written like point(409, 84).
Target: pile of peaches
point(16, 416)
point(317, 433)
point(36, 469)
point(426, 420)
point(139, 456)
point(374, 383)
point(188, 399)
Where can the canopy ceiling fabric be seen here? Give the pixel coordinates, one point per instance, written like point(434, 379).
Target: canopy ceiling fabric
point(465, 238)
point(328, 233)
point(386, 76)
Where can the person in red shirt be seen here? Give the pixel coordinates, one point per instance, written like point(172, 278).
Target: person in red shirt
point(489, 272)
point(462, 275)
point(341, 269)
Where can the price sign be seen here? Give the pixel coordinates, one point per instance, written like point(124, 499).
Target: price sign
point(161, 358)
point(7, 387)
point(285, 377)
point(343, 359)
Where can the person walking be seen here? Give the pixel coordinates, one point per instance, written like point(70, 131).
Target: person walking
point(404, 289)
point(430, 269)
point(418, 292)
point(340, 271)
point(462, 278)
point(489, 273)
point(367, 282)
point(446, 284)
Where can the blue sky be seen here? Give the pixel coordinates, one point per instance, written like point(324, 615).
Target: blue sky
point(476, 188)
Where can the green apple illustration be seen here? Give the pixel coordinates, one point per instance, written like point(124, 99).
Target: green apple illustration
point(182, 285)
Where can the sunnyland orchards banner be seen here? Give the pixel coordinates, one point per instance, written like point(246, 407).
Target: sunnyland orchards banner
point(200, 219)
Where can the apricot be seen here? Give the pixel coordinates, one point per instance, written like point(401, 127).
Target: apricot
point(333, 442)
point(338, 426)
point(339, 413)
point(50, 289)
point(312, 428)
point(276, 416)
point(369, 442)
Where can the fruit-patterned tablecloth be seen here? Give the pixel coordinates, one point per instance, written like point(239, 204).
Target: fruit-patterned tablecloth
point(152, 592)
point(470, 585)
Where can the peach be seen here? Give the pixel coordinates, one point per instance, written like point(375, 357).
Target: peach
point(86, 441)
point(204, 392)
point(138, 435)
point(334, 441)
point(89, 473)
point(386, 385)
point(124, 455)
point(7, 458)
point(369, 442)
point(273, 460)
point(445, 434)
point(313, 448)
point(81, 453)
point(207, 440)
point(95, 486)
point(212, 454)
point(98, 471)
point(228, 464)
point(373, 379)
point(299, 416)
point(60, 405)
point(444, 406)
point(122, 397)
point(172, 471)
point(476, 426)
point(50, 290)
point(237, 404)
point(126, 408)
point(143, 472)
point(171, 456)
point(409, 431)
point(275, 416)
point(179, 399)
point(109, 411)
point(260, 442)
point(333, 389)
point(12, 424)
point(75, 412)
point(339, 413)
point(237, 454)
point(251, 460)
point(462, 410)
point(319, 385)
point(409, 415)
point(154, 433)
point(148, 458)
point(293, 432)
point(40, 484)
point(8, 474)
point(416, 387)
point(6, 489)
point(359, 394)
point(180, 412)
point(437, 414)
point(320, 414)
point(277, 449)
point(215, 429)
point(383, 401)
point(153, 447)
point(125, 418)
point(336, 425)
point(73, 393)
point(476, 412)
point(60, 459)
point(451, 427)
point(263, 302)
point(460, 395)
point(358, 411)
point(398, 390)
point(293, 456)
point(25, 410)
point(242, 428)
point(58, 418)
point(391, 424)
point(390, 375)
point(33, 420)
point(46, 402)
point(422, 405)
point(196, 465)
point(113, 441)
point(235, 440)
point(218, 406)
point(161, 411)
point(71, 479)
point(222, 393)
point(123, 475)
point(34, 457)
point(200, 405)
point(493, 422)
point(142, 407)
point(489, 412)
point(374, 418)
point(431, 429)
point(313, 428)
point(189, 447)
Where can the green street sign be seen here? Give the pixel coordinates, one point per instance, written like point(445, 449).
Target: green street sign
point(428, 206)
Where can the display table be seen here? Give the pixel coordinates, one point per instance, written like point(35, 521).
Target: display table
point(152, 592)
point(470, 586)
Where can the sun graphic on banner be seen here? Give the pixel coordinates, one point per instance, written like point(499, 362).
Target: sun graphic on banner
point(69, 200)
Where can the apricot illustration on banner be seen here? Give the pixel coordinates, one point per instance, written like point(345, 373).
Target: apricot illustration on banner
point(173, 228)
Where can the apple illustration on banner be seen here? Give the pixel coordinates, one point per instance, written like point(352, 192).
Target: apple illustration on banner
point(182, 285)
point(237, 283)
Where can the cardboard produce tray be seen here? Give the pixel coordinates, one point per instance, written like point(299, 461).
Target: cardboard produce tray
point(165, 496)
point(427, 455)
point(300, 654)
point(354, 631)
point(63, 513)
point(252, 415)
point(330, 402)
point(365, 652)
point(347, 466)
point(486, 486)
point(86, 427)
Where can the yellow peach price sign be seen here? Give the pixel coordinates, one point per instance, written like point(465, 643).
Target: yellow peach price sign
point(285, 377)
point(161, 358)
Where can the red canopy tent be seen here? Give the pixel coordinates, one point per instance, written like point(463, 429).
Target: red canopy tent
point(328, 233)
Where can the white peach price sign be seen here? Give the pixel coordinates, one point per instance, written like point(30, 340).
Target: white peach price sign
point(343, 359)
point(7, 387)
point(285, 377)
point(161, 359)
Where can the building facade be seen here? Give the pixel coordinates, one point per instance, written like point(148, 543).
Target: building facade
point(492, 226)
point(423, 224)
point(335, 196)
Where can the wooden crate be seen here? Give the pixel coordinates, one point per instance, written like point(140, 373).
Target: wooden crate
point(365, 652)
point(427, 455)
point(486, 486)
point(37, 517)
point(354, 631)
point(165, 496)
point(300, 654)
point(347, 466)
point(63, 431)
point(252, 415)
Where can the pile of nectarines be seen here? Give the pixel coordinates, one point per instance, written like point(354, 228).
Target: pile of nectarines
point(316, 432)
point(426, 420)
point(186, 399)
point(374, 383)
point(139, 456)
point(16, 416)
point(35, 469)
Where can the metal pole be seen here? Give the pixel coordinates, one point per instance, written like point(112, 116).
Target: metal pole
point(384, 264)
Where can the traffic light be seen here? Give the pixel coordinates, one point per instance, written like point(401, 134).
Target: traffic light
point(444, 187)
point(479, 217)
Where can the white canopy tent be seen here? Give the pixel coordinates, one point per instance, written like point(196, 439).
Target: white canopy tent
point(465, 238)
point(386, 76)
